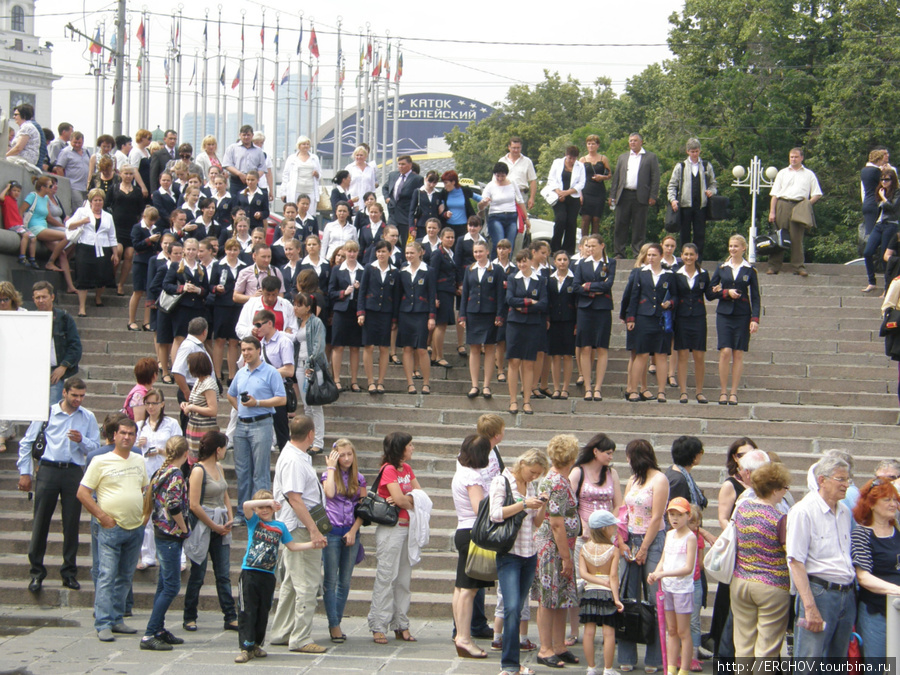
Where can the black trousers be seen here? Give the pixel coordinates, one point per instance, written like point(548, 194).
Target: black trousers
point(630, 215)
point(693, 219)
point(52, 485)
point(182, 418)
point(256, 590)
point(565, 221)
point(282, 426)
point(402, 229)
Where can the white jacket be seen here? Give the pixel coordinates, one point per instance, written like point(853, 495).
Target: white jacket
point(419, 525)
point(554, 178)
point(288, 188)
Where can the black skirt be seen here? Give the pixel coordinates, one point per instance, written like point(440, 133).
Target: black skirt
point(562, 338)
point(345, 329)
point(139, 276)
point(690, 333)
point(377, 329)
point(597, 607)
point(480, 329)
point(445, 313)
point(650, 338)
point(164, 332)
point(733, 332)
point(412, 330)
point(461, 539)
point(523, 340)
point(224, 322)
point(182, 316)
point(594, 328)
point(92, 272)
point(592, 205)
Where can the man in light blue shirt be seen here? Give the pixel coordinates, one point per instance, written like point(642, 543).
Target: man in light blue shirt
point(70, 434)
point(241, 158)
point(255, 392)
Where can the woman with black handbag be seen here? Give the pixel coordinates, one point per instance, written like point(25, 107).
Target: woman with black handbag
point(516, 568)
point(891, 305)
point(309, 355)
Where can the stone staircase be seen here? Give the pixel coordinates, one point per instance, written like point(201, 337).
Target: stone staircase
point(815, 378)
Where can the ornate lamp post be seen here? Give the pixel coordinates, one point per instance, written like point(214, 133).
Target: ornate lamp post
point(755, 180)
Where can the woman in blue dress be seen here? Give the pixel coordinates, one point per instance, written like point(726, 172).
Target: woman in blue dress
point(526, 298)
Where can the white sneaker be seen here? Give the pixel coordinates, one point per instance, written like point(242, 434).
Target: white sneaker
point(610, 671)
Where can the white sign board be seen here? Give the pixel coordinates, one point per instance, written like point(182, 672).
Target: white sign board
point(25, 339)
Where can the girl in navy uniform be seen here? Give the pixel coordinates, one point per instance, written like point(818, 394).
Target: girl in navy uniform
point(307, 224)
point(526, 298)
point(291, 269)
point(431, 238)
point(207, 220)
point(190, 279)
point(375, 312)
point(288, 232)
point(690, 319)
point(629, 335)
point(172, 252)
point(313, 261)
point(372, 231)
point(540, 256)
point(426, 204)
point(445, 274)
point(224, 202)
point(594, 278)
point(504, 250)
point(343, 291)
point(146, 245)
point(481, 313)
point(669, 262)
point(737, 316)
point(652, 292)
point(226, 311)
point(255, 201)
point(416, 316)
point(362, 215)
point(464, 258)
point(561, 335)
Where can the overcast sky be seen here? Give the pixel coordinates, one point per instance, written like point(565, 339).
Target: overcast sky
point(480, 71)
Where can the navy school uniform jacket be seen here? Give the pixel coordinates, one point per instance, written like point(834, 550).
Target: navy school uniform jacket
point(376, 295)
point(426, 245)
point(417, 292)
point(691, 300)
point(175, 281)
point(290, 280)
point(443, 268)
point(626, 294)
point(156, 274)
point(258, 202)
point(516, 293)
point(422, 208)
point(647, 298)
point(367, 238)
point(221, 275)
point(561, 298)
point(144, 250)
point(324, 273)
point(601, 279)
point(747, 283)
point(165, 204)
point(463, 254)
point(485, 296)
point(337, 284)
point(397, 258)
point(223, 210)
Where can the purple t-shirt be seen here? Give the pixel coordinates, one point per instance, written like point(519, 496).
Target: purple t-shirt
point(340, 507)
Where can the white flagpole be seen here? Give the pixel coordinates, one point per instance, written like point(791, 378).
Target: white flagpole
point(260, 95)
point(220, 87)
point(338, 122)
point(203, 84)
point(384, 114)
point(300, 84)
point(243, 77)
point(177, 67)
point(362, 53)
point(277, 85)
point(197, 135)
point(127, 49)
point(396, 106)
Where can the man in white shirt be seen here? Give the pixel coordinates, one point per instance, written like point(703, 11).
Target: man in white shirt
point(278, 352)
point(297, 490)
point(521, 169)
point(198, 328)
point(285, 319)
point(633, 189)
point(792, 185)
point(818, 555)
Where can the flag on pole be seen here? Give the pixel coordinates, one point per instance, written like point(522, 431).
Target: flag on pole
point(140, 68)
point(362, 57)
point(194, 74)
point(272, 86)
point(256, 77)
point(300, 40)
point(376, 71)
point(369, 51)
point(166, 69)
point(277, 30)
point(343, 73)
point(115, 86)
point(237, 78)
point(306, 94)
point(112, 50)
point(313, 43)
point(399, 67)
point(220, 30)
point(205, 35)
point(262, 35)
point(141, 36)
point(286, 76)
point(95, 43)
point(222, 77)
point(387, 63)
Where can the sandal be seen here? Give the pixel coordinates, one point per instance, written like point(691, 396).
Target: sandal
point(513, 409)
point(134, 328)
point(411, 389)
point(723, 399)
point(588, 395)
point(417, 375)
point(501, 377)
point(379, 638)
point(82, 314)
point(732, 400)
point(190, 626)
point(146, 328)
point(571, 641)
point(50, 268)
point(527, 409)
point(567, 656)
point(683, 398)
point(869, 288)
point(702, 399)
point(395, 359)
point(537, 393)
point(462, 352)
point(371, 389)
point(652, 369)
point(355, 388)
point(337, 385)
point(661, 398)
point(672, 381)
point(442, 363)
point(579, 382)
point(634, 397)
point(473, 392)
point(168, 379)
point(647, 395)
point(597, 395)
point(564, 395)
point(487, 393)
point(555, 395)
point(379, 389)
point(426, 389)
point(404, 635)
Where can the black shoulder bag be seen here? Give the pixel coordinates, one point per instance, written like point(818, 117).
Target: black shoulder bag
point(498, 537)
point(373, 508)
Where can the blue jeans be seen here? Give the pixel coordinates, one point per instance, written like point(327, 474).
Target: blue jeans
point(872, 628)
point(252, 458)
point(168, 554)
point(879, 238)
point(514, 574)
point(118, 551)
point(338, 561)
point(56, 392)
point(838, 610)
point(95, 563)
point(502, 226)
point(695, 615)
point(637, 579)
point(220, 553)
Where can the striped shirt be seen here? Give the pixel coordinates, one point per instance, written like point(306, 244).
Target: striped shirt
point(524, 546)
point(760, 555)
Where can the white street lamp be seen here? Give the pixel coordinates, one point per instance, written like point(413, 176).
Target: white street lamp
point(754, 180)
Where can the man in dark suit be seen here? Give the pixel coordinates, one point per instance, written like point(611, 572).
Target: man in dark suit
point(633, 188)
point(398, 192)
point(162, 157)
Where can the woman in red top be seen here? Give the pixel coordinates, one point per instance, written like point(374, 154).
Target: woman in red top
point(390, 592)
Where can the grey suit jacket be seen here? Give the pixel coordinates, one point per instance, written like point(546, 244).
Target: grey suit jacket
point(648, 178)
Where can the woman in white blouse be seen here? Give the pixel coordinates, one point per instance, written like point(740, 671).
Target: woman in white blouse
point(362, 174)
point(566, 179)
point(208, 158)
point(339, 231)
point(301, 173)
point(500, 197)
point(95, 253)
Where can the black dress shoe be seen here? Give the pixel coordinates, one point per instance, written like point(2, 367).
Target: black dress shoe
point(35, 585)
point(484, 634)
point(72, 583)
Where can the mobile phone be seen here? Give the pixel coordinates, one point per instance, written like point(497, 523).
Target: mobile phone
point(543, 499)
point(245, 397)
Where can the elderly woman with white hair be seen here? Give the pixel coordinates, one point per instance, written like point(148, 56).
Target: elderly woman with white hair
point(301, 173)
point(362, 174)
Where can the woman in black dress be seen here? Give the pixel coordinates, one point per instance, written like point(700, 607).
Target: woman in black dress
point(736, 285)
point(594, 279)
point(629, 335)
point(596, 173)
point(416, 310)
point(481, 313)
point(444, 270)
point(343, 292)
point(526, 298)
point(561, 300)
point(375, 314)
point(96, 254)
point(188, 279)
point(690, 320)
point(126, 203)
point(653, 291)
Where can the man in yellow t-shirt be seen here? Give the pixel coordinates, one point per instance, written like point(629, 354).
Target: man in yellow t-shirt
point(118, 478)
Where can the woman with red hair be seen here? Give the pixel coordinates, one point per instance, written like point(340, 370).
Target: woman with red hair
point(875, 550)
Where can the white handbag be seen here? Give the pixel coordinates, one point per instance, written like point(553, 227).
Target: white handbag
point(720, 559)
point(549, 194)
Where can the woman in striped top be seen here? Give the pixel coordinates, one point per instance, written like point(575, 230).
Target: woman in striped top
point(760, 589)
